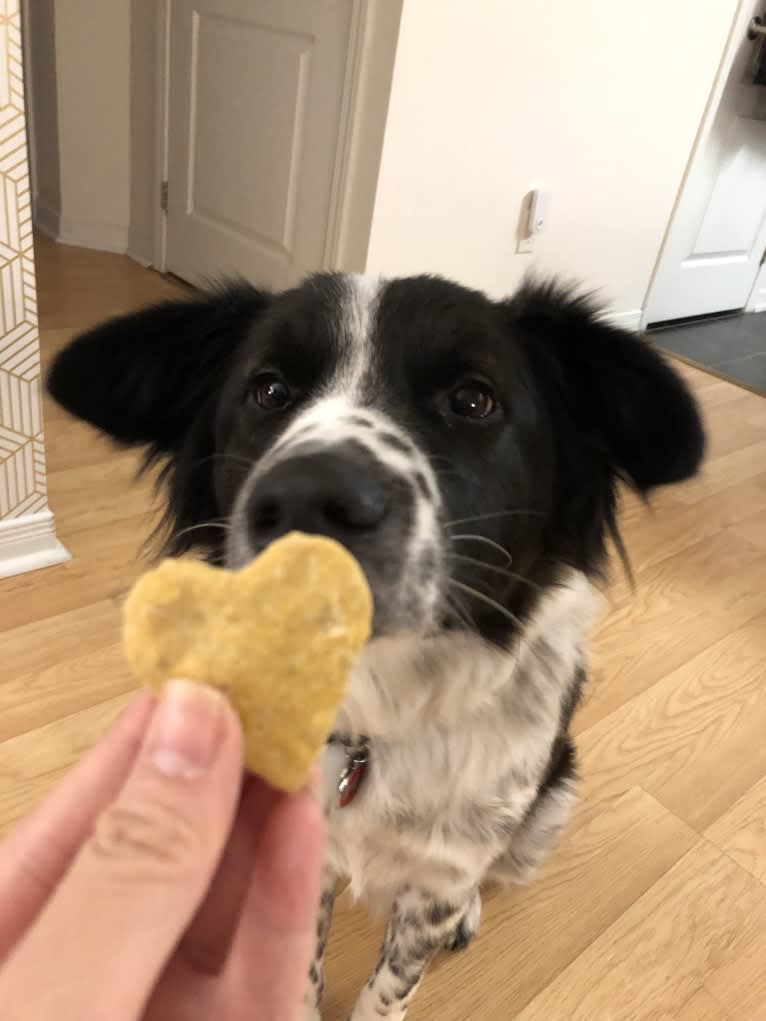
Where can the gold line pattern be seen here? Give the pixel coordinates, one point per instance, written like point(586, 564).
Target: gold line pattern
point(22, 453)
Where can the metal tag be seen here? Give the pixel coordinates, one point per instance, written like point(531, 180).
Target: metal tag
point(352, 776)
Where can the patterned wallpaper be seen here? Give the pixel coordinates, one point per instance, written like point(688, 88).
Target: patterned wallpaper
point(22, 458)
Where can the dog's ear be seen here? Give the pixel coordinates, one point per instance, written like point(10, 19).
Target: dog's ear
point(152, 379)
point(625, 401)
point(143, 378)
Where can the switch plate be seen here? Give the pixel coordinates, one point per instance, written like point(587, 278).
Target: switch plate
point(539, 201)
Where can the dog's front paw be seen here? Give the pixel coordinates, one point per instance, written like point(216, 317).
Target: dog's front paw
point(370, 1007)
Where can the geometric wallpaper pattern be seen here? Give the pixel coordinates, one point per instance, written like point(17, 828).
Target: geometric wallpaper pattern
point(22, 457)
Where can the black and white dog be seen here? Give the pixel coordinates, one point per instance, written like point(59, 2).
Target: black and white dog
point(467, 452)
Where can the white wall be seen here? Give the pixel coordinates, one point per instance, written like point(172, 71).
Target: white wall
point(42, 110)
point(93, 71)
point(27, 537)
point(599, 101)
point(79, 52)
point(144, 195)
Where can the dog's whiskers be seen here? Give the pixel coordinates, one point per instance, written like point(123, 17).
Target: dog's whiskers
point(470, 590)
point(469, 537)
point(224, 524)
point(493, 514)
point(460, 612)
point(497, 569)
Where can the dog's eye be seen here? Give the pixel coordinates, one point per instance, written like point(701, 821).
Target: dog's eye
point(269, 391)
point(473, 399)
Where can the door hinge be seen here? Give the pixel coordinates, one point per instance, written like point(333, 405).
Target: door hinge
point(164, 196)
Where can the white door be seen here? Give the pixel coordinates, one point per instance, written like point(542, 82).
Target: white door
point(257, 93)
point(717, 236)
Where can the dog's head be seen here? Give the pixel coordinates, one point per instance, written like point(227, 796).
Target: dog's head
point(464, 450)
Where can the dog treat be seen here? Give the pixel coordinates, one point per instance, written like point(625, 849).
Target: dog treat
point(279, 638)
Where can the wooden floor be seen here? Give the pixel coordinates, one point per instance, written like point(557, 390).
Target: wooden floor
point(655, 905)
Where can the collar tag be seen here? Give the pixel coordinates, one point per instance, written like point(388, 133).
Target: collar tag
point(352, 774)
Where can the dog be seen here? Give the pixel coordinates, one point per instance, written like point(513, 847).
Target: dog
point(468, 453)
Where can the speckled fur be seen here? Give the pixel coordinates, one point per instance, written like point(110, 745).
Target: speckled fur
point(460, 731)
point(466, 692)
point(460, 735)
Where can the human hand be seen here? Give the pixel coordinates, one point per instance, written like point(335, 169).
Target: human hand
point(154, 884)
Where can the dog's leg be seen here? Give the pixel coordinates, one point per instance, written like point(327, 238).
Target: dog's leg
point(531, 844)
point(420, 924)
point(467, 927)
point(315, 985)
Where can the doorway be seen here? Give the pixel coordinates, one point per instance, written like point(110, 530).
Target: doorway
point(224, 137)
point(260, 103)
point(711, 259)
point(711, 272)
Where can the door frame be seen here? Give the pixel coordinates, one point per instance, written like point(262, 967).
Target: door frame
point(29, 102)
point(368, 75)
point(757, 300)
point(737, 33)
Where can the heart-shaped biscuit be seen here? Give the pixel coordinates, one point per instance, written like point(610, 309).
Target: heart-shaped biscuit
point(279, 638)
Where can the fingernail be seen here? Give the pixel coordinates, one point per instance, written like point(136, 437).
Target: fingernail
point(187, 729)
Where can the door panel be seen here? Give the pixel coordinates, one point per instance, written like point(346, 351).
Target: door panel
point(732, 220)
point(717, 237)
point(255, 128)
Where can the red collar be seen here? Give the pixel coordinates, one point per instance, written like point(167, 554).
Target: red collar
point(353, 772)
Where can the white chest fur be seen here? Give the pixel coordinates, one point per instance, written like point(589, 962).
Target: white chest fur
point(460, 735)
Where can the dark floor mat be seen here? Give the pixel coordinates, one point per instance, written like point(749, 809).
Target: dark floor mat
point(733, 348)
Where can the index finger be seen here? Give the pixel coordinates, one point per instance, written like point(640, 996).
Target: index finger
point(35, 856)
point(271, 953)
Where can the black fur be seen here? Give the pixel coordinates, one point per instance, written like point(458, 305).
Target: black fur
point(584, 405)
point(524, 492)
point(153, 378)
point(619, 411)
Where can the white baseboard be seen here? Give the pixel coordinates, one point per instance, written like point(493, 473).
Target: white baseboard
point(105, 237)
point(28, 543)
point(627, 320)
point(141, 250)
point(758, 306)
point(47, 221)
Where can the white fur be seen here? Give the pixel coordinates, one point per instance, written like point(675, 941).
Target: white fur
point(331, 420)
point(453, 741)
point(357, 320)
point(460, 732)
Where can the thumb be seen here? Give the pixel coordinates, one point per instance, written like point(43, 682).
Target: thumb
point(111, 926)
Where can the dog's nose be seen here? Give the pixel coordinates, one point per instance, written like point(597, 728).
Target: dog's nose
point(325, 493)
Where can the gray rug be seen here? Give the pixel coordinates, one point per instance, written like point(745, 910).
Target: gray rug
point(733, 347)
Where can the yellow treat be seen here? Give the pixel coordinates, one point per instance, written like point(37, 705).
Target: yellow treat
point(279, 638)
